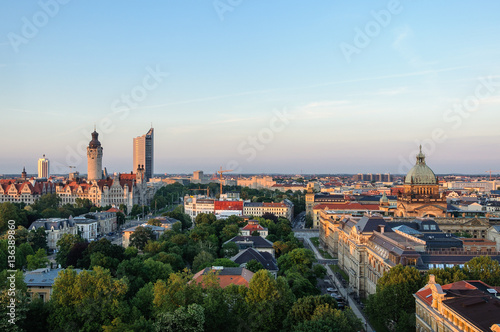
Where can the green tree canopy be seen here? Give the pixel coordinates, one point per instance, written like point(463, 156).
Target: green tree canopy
point(85, 301)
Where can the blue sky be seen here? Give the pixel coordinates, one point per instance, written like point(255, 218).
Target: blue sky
point(226, 68)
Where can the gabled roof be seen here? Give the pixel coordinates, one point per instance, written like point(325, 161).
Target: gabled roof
point(265, 258)
point(226, 275)
point(256, 241)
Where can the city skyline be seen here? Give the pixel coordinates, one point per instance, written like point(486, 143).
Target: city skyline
point(285, 87)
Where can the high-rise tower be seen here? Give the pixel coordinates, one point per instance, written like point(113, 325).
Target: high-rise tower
point(94, 158)
point(144, 153)
point(43, 167)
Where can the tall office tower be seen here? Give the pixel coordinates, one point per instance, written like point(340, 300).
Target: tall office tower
point(94, 158)
point(43, 167)
point(144, 153)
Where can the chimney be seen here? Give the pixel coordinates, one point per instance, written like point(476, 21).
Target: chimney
point(381, 228)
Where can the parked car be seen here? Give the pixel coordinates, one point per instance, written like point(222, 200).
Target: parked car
point(331, 289)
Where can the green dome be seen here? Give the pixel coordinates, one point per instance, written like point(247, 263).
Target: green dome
point(421, 174)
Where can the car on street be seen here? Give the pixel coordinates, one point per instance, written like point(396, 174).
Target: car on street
point(331, 289)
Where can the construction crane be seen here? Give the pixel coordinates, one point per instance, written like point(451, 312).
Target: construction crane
point(208, 190)
point(220, 180)
point(490, 171)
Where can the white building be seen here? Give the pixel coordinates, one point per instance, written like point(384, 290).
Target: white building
point(194, 205)
point(87, 228)
point(43, 168)
point(55, 228)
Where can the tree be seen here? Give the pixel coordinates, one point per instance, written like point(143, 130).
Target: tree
point(10, 321)
point(202, 259)
point(141, 236)
point(229, 249)
point(269, 300)
point(393, 303)
point(483, 268)
point(254, 265)
point(38, 238)
point(8, 211)
point(47, 201)
point(123, 208)
point(64, 245)
point(120, 218)
point(228, 232)
point(309, 221)
point(38, 260)
point(304, 308)
point(446, 275)
point(154, 222)
point(176, 292)
point(270, 216)
point(183, 319)
point(85, 301)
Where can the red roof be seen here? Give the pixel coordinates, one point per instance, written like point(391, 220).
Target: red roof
point(228, 205)
point(426, 294)
point(225, 279)
point(253, 225)
point(113, 209)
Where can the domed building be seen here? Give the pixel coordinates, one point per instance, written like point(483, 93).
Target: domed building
point(421, 197)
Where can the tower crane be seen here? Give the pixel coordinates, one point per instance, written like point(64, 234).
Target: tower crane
point(491, 171)
point(220, 180)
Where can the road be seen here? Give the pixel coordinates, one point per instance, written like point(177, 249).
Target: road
point(332, 279)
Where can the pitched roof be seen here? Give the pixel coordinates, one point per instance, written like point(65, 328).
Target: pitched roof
point(226, 275)
point(469, 299)
point(265, 258)
point(256, 241)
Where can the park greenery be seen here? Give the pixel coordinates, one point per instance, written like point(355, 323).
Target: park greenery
point(148, 286)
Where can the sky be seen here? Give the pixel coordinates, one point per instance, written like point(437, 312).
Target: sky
point(279, 86)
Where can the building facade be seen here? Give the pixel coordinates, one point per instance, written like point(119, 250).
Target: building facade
point(55, 228)
point(143, 147)
point(470, 306)
point(421, 196)
point(43, 167)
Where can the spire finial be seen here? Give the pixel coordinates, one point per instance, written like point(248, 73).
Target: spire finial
point(95, 130)
point(420, 148)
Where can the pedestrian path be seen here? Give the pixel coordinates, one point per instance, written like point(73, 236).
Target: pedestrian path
point(340, 287)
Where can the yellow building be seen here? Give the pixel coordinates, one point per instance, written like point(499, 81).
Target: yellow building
point(40, 282)
point(469, 306)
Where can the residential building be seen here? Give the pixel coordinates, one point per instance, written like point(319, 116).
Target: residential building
point(106, 221)
point(55, 228)
point(226, 276)
point(469, 306)
point(254, 226)
point(43, 168)
point(493, 234)
point(87, 228)
point(143, 149)
point(157, 230)
point(264, 258)
point(256, 242)
point(40, 282)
